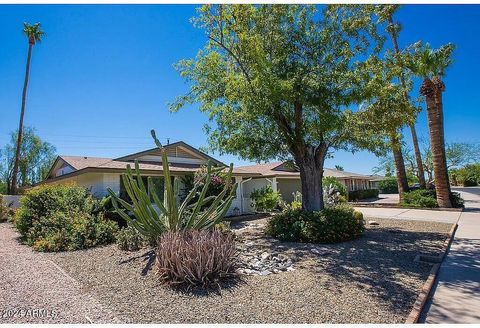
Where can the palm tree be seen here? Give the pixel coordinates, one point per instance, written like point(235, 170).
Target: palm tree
point(431, 65)
point(385, 13)
point(34, 34)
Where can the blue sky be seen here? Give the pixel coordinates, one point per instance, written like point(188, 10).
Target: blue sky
point(104, 74)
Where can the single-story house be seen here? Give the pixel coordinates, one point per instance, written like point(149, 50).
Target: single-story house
point(98, 174)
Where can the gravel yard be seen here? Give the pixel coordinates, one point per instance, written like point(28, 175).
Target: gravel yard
point(370, 280)
point(34, 290)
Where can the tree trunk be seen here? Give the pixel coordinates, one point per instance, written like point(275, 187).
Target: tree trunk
point(310, 161)
point(13, 188)
point(416, 148)
point(401, 174)
point(437, 140)
point(418, 158)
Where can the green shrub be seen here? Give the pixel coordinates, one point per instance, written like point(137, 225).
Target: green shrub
point(60, 217)
point(337, 185)
point(105, 206)
point(420, 198)
point(388, 185)
point(128, 239)
point(331, 225)
point(428, 199)
point(264, 199)
point(195, 258)
point(456, 200)
point(357, 195)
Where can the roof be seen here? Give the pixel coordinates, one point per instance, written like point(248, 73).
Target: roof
point(279, 169)
point(175, 144)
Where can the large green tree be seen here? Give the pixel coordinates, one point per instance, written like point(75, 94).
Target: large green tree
point(34, 34)
point(276, 82)
point(386, 13)
point(36, 157)
point(430, 65)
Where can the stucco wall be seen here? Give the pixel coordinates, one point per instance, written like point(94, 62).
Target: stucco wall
point(287, 187)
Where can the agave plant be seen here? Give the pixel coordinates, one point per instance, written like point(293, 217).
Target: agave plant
point(153, 219)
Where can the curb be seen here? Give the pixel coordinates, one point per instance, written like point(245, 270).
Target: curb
point(394, 205)
point(425, 292)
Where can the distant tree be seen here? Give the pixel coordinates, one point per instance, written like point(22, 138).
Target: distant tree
point(36, 157)
point(458, 155)
point(34, 34)
point(339, 168)
point(277, 81)
point(431, 65)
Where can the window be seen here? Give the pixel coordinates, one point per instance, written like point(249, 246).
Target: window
point(157, 185)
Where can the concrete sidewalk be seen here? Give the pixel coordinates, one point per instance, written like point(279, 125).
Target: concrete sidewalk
point(456, 296)
point(410, 214)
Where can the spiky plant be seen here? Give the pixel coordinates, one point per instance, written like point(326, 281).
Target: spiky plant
point(153, 219)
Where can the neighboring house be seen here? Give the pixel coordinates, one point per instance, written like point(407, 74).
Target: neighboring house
point(99, 174)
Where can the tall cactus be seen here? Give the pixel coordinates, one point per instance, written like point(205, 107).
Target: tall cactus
point(169, 216)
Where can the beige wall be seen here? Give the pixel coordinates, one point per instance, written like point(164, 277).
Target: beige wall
point(287, 187)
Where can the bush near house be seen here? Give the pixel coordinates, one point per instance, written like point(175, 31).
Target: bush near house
point(428, 199)
point(264, 199)
point(357, 195)
point(337, 185)
point(61, 217)
point(331, 225)
point(388, 186)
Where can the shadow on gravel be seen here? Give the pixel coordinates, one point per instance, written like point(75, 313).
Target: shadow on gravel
point(381, 263)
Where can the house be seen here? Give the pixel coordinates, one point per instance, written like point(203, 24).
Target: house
point(99, 174)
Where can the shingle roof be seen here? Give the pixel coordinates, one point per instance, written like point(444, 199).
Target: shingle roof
point(277, 169)
point(82, 162)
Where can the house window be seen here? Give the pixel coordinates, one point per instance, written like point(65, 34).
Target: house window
point(157, 185)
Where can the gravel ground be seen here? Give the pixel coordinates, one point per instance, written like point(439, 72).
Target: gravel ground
point(370, 280)
point(33, 289)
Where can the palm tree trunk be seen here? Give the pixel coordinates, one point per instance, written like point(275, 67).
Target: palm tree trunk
point(13, 189)
point(401, 174)
point(416, 147)
point(442, 180)
point(433, 95)
point(418, 158)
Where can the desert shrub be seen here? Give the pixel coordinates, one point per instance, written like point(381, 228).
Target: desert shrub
point(332, 224)
point(60, 217)
point(195, 258)
point(264, 199)
point(356, 195)
point(128, 239)
point(420, 198)
point(388, 186)
point(334, 183)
